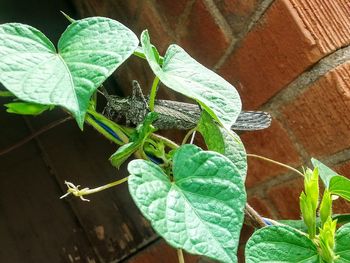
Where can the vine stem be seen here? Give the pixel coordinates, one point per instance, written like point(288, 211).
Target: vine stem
point(72, 189)
point(180, 256)
point(35, 134)
point(152, 96)
point(274, 162)
point(193, 136)
point(166, 141)
point(188, 134)
point(252, 218)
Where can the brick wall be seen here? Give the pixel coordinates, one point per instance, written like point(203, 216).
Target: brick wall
point(287, 57)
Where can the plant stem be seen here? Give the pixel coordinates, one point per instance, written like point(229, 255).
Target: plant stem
point(72, 189)
point(166, 141)
point(180, 256)
point(275, 162)
point(152, 96)
point(103, 187)
point(252, 218)
point(139, 53)
point(188, 134)
point(192, 138)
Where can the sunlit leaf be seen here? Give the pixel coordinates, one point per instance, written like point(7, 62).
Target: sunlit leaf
point(280, 244)
point(185, 75)
point(88, 52)
point(200, 209)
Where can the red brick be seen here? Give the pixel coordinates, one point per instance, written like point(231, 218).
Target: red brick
point(273, 143)
point(203, 38)
point(284, 43)
point(319, 117)
point(286, 198)
point(172, 10)
point(237, 12)
point(160, 252)
point(343, 169)
point(327, 20)
point(260, 206)
point(341, 206)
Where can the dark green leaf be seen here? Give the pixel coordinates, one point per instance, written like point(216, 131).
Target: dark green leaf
point(297, 224)
point(6, 94)
point(222, 141)
point(108, 128)
point(137, 139)
point(201, 210)
point(280, 244)
point(342, 244)
point(340, 185)
point(325, 172)
point(123, 153)
point(342, 218)
point(185, 75)
point(26, 108)
point(325, 210)
point(88, 52)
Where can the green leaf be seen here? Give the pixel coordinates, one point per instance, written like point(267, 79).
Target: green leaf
point(340, 185)
point(123, 153)
point(326, 206)
point(89, 51)
point(342, 244)
point(341, 218)
point(300, 225)
point(326, 240)
point(185, 75)
point(309, 200)
point(137, 139)
point(6, 94)
point(308, 214)
point(325, 172)
point(201, 209)
point(108, 128)
point(280, 244)
point(26, 108)
point(297, 224)
point(223, 141)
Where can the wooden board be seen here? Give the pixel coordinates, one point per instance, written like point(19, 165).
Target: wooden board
point(35, 224)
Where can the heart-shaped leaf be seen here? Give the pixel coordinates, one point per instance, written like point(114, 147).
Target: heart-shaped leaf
point(88, 52)
point(201, 210)
point(280, 244)
point(185, 75)
point(223, 141)
point(342, 244)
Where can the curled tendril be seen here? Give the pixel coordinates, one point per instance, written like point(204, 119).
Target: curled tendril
point(72, 189)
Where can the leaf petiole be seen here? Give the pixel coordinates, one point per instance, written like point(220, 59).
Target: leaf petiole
point(180, 255)
point(188, 134)
point(153, 94)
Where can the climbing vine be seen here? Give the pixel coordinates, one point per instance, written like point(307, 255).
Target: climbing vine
point(194, 198)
